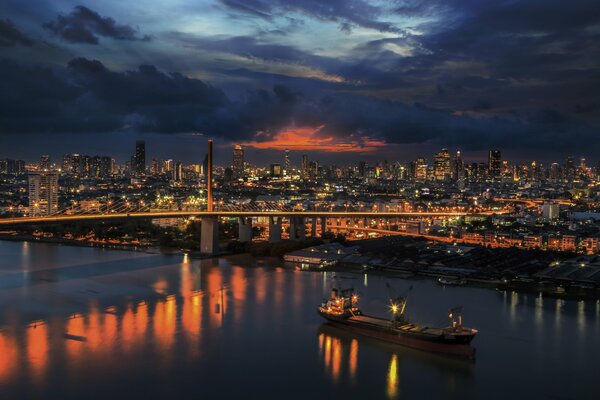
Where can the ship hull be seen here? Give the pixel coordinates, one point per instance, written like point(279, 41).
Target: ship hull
point(457, 346)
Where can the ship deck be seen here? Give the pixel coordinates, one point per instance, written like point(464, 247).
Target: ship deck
point(384, 323)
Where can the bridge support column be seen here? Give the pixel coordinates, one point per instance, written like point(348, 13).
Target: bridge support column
point(245, 229)
point(313, 227)
point(297, 228)
point(274, 229)
point(209, 235)
point(323, 226)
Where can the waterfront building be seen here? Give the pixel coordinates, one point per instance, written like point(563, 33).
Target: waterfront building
point(43, 193)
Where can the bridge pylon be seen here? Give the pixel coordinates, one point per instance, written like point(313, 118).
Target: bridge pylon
point(209, 226)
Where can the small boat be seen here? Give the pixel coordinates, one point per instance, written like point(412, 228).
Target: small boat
point(342, 310)
point(452, 281)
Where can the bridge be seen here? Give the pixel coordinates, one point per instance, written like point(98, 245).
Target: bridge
point(209, 215)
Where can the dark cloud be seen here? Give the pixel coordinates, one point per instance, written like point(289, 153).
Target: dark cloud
point(508, 74)
point(83, 25)
point(88, 97)
point(11, 36)
point(345, 12)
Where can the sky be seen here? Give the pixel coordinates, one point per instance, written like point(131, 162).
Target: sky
point(340, 80)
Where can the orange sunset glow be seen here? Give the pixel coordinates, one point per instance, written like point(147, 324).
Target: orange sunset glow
point(313, 139)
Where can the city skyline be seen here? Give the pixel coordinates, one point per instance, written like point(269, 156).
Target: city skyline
point(385, 79)
point(265, 157)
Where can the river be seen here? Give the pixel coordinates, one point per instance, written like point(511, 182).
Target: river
point(90, 323)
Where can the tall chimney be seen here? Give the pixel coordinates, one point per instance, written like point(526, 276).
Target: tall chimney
point(209, 177)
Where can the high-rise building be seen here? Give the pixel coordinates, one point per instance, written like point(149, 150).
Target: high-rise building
point(204, 165)
point(494, 164)
point(550, 211)
point(570, 169)
point(138, 163)
point(43, 193)
point(555, 172)
point(167, 167)
point(19, 167)
point(276, 170)
point(178, 172)
point(155, 167)
point(305, 166)
point(287, 170)
point(420, 169)
point(238, 161)
point(313, 169)
point(458, 171)
point(101, 166)
point(45, 164)
point(441, 165)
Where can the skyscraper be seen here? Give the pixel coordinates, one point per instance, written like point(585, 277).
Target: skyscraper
point(304, 166)
point(138, 164)
point(420, 169)
point(287, 171)
point(441, 165)
point(45, 164)
point(458, 172)
point(276, 170)
point(178, 172)
point(238, 161)
point(494, 164)
point(570, 169)
point(43, 193)
point(313, 169)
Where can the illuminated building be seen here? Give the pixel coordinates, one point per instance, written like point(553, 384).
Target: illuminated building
point(420, 169)
point(43, 193)
point(178, 172)
point(155, 167)
point(494, 164)
point(276, 170)
point(458, 172)
point(569, 169)
point(313, 169)
point(304, 166)
point(138, 162)
point(167, 167)
point(45, 163)
point(550, 211)
point(555, 172)
point(441, 165)
point(238, 161)
point(287, 170)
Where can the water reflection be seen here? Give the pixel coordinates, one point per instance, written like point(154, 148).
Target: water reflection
point(339, 357)
point(392, 377)
point(37, 350)
point(161, 322)
point(339, 354)
point(205, 296)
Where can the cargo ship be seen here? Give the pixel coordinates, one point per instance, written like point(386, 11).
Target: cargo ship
point(342, 310)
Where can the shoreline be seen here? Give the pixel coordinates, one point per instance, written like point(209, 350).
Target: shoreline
point(519, 287)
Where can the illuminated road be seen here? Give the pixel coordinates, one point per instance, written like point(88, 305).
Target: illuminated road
point(232, 214)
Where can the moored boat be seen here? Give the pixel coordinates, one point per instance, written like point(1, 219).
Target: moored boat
point(342, 310)
point(452, 281)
